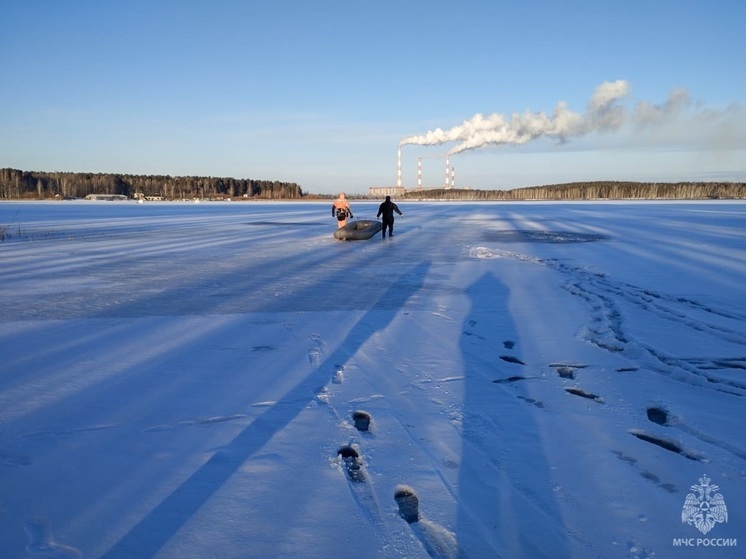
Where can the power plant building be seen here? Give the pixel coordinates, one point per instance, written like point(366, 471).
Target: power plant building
point(378, 191)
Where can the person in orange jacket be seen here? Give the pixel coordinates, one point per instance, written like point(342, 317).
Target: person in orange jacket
point(341, 210)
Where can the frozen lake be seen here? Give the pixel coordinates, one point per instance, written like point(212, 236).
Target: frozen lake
point(549, 379)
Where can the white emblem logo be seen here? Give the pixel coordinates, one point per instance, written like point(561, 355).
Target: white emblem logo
point(702, 508)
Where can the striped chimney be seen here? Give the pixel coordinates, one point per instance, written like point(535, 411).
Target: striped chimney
point(448, 167)
point(419, 173)
point(398, 168)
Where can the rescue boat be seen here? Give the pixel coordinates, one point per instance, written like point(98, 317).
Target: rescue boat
point(358, 230)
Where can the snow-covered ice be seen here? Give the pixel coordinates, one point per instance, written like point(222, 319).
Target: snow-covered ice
point(551, 380)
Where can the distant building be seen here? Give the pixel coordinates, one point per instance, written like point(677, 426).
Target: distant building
point(149, 197)
point(107, 197)
point(378, 191)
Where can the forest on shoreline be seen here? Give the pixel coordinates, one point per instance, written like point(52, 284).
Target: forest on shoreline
point(31, 185)
point(597, 190)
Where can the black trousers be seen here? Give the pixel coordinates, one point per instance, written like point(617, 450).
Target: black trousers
point(387, 225)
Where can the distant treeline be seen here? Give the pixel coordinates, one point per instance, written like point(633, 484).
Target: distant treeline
point(16, 184)
point(605, 190)
point(31, 184)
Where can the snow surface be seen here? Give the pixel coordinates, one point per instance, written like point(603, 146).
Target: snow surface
point(550, 379)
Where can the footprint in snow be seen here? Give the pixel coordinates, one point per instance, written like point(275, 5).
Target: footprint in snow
point(352, 463)
point(437, 541)
point(42, 543)
point(511, 359)
point(514, 378)
point(315, 353)
point(667, 444)
point(361, 487)
point(583, 394)
point(565, 370)
point(314, 357)
point(316, 338)
point(362, 420)
point(537, 403)
point(668, 487)
point(338, 376)
point(657, 415)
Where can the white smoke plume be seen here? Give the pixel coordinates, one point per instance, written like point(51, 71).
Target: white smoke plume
point(604, 113)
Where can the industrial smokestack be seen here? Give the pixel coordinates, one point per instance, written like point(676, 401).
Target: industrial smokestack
point(398, 168)
point(419, 173)
point(448, 170)
point(453, 177)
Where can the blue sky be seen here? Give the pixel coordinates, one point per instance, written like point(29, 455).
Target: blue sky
point(322, 92)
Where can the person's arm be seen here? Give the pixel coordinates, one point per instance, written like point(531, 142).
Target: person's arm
point(333, 208)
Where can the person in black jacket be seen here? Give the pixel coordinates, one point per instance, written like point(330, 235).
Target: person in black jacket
point(387, 209)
